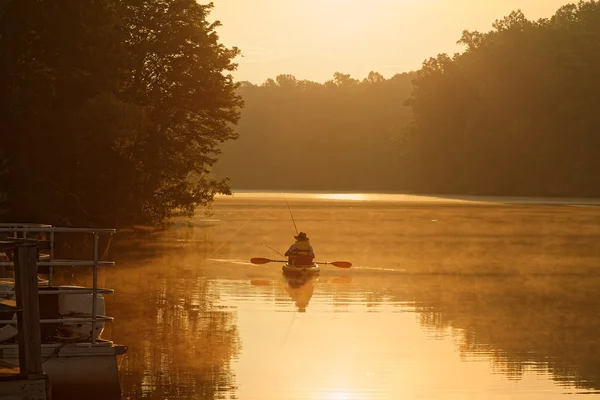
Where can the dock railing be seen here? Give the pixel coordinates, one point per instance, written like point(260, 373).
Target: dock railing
point(25, 231)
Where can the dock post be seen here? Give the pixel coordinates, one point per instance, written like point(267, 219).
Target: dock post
point(28, 321)
point(31, 382)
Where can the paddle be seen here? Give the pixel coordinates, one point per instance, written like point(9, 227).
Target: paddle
point(339, 264)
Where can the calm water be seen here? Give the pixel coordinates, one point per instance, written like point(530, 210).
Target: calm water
point(445, 300)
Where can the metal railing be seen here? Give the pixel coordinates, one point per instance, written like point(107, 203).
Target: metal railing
point(22, 231)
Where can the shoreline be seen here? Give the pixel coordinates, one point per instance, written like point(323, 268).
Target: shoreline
point(410, 198)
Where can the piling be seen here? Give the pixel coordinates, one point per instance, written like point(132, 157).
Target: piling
point(30, 382)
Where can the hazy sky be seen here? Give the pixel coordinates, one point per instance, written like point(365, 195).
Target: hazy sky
point(312, 39)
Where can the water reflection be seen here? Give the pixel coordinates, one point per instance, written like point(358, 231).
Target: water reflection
point(300, 290)
point(522, 323)
point(181, 340)
point(485, 302)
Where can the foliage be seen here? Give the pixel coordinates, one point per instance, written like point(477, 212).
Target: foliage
point(298, 134)
point(112, 111)
point(515, 114)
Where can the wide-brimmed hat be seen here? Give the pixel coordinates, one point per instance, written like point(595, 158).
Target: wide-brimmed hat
point(301, 236)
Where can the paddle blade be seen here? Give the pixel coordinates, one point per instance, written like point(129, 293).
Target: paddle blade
point(259, 260)
point(341, 264)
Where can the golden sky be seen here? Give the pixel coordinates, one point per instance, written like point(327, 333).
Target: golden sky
point(312, 39)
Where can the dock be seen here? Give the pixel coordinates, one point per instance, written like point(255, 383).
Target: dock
point(28, 381)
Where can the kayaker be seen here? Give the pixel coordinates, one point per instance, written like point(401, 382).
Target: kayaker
point(301, 252)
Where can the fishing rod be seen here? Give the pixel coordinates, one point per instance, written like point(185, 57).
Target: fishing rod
point(269, 247)
point(288, 206)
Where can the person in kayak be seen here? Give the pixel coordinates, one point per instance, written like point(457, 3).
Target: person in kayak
point(301, 252)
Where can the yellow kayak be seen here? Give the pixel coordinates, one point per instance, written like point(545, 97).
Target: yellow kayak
point(300, 269)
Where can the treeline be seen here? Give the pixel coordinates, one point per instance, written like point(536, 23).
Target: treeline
point(114, 112)
point(515, 114)
point(339, 135)
point(111, 111)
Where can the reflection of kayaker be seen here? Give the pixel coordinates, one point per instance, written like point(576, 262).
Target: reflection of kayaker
point(301, 291)
point(301, 252)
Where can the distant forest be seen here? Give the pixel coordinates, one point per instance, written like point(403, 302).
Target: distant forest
point(305, 135)
point(516, 113)
point(114, 113)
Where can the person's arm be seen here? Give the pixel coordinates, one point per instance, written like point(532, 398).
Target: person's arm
point(312, 252)
point(292, 247)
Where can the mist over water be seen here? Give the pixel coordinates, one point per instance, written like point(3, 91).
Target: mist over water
point(445, 299)
point(131, 112)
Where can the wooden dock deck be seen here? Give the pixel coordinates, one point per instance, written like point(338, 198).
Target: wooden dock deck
point(15, 387)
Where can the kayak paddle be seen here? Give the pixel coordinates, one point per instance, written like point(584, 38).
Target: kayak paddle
point(339, 264)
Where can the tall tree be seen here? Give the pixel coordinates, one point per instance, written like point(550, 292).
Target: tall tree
point(124, 103)
point(513, 114)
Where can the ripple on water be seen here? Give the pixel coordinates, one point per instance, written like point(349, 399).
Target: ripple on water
point(487, 302)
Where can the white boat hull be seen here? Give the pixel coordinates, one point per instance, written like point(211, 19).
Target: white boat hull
point(68, 305)
point(89, 370)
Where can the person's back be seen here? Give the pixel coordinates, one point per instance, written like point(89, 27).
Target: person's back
point(301, 252)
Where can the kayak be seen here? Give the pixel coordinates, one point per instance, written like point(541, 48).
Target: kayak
point(300, 269)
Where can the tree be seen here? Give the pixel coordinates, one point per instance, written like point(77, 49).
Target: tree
point(331, 136)
point(375, 77)
point(513, 114)
point(177, 76)
point(125, 103)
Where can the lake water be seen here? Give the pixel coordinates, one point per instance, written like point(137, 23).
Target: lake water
point(446, 299)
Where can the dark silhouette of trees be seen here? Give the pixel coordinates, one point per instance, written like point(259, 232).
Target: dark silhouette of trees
point(111, 111)
point(515, 114)
point(115, 112)
point(298, 134)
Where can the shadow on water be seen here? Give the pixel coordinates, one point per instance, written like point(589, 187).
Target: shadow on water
point(520, 291)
